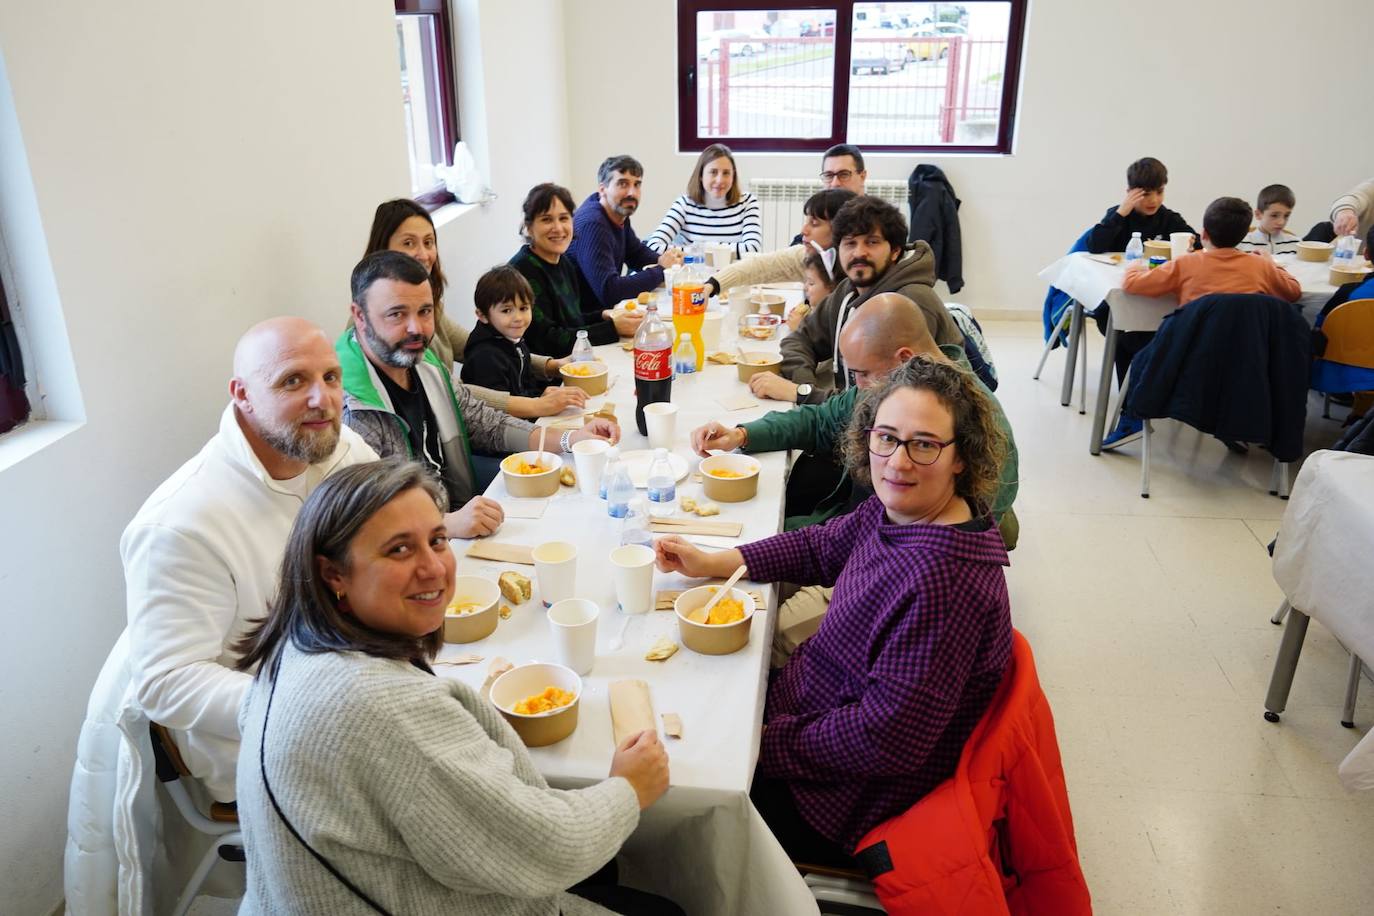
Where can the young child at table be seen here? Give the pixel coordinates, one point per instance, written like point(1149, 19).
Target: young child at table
point(1219, 268)
point(1273, 208)
point(1141, 210)
point(817, 283)
point(497, 355)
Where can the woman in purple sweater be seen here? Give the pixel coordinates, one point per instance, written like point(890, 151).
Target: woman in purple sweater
point(872, 712)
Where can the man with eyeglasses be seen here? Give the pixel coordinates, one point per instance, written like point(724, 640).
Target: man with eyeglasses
point(403, 401)
point(843, 167)
point(884, 335)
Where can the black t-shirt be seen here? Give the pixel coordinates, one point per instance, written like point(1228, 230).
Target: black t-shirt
point(413, 407)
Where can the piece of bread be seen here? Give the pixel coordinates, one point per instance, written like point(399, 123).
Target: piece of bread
point(505, 612)
point(566, 477)
point(687, 504)
point(514, 587)
point(644, 298)
point(705, 509)
point(661, 651)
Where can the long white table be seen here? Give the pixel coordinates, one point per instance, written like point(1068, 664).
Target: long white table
point(702, 844)
point(1320, 563)
point(1090, 281)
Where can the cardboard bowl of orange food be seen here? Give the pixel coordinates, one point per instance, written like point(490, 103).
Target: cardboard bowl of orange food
point(754, 363)
point(1343, 275)
point(769, 302)
point(713, 638)
point(530, 682)
point(591, 377)
point(472, 614)
point(730, 478)
point(515, 471)
point(1158, 248)
point(1315, 251)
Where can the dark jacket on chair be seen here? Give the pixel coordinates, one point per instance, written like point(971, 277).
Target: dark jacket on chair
point(935, 219)
point(1232, 365)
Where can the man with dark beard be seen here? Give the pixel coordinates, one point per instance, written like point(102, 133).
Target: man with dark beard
point(403, 401)
point(604, 242)
point(201, 557)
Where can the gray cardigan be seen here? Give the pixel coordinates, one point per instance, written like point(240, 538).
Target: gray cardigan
point(417, 791)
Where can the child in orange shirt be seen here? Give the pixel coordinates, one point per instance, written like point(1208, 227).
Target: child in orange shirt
point(1218, 268)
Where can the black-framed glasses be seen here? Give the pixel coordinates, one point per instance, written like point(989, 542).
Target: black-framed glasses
point(920, 450)
point(842, 175)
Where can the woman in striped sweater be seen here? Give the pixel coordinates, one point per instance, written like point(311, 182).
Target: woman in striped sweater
point(713, 211)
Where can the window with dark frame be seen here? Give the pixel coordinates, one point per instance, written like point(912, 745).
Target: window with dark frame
point(14, 403)
point(899, 77)
point(424, 39)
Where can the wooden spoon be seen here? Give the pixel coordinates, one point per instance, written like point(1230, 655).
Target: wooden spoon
point(702, 613)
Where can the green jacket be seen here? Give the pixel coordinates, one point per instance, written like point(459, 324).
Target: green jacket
point(819, 428)
point(465, 422)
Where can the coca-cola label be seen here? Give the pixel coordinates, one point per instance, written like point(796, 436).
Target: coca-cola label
point(653, 365)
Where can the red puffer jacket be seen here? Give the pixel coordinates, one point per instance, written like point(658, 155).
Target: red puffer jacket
point(996, 838)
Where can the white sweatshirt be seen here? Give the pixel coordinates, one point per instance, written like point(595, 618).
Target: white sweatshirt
point(201, 562)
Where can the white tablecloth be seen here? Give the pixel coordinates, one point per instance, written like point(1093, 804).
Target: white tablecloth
point(702, 844)
point(1091, 281)
point(1322, 564)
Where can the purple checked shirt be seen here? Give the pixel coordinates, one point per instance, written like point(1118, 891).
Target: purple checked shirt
point(872, 712)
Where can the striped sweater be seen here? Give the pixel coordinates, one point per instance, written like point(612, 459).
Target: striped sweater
point(688, 221)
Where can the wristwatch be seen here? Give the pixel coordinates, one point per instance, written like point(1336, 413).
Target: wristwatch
point(803, 392)
point(565, 441)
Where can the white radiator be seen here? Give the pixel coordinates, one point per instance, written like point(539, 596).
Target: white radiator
point(781, 201)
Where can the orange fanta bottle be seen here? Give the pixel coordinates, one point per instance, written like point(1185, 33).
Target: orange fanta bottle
point(689, 304)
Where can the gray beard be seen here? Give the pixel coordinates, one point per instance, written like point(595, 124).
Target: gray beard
point(394, 357)
point(302, 446)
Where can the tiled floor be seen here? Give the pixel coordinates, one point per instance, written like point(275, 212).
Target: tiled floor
point(1150, 624)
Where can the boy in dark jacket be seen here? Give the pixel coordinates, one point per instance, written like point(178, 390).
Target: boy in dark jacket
point(497, 356)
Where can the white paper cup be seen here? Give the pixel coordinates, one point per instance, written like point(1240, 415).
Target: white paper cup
point(1180, 243)
point(632, 566)
point(573, 622)
point(710, 329)
point(555, 569)
point(660, 420)
point(589, 458)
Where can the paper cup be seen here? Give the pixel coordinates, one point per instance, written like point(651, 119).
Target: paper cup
point(573, 622)
point(589, 458)
point(710, 329)
point(555, 569)
point(632, 566)
point(1180, 243)
point(660, 419)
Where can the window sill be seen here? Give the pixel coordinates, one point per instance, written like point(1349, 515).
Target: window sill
point(31, 438)
point(449, 213)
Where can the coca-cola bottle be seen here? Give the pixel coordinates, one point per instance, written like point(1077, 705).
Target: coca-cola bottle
point(653, 364)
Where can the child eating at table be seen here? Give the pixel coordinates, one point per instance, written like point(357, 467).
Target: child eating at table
point(1273, 207)
point(817, 283)
point(497, 355)
point(1219, 268)
point(1141, 210)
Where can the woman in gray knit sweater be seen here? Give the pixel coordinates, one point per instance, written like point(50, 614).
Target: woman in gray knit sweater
point(367, 784)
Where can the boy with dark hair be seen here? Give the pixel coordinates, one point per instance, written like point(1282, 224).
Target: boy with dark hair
point(497, 355)
point(1142, 210)
point(1273, 209)
point(1219, 268)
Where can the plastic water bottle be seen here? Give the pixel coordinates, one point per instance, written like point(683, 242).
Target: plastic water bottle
point(662, 485)
point(582, 349)
point(619, 491)
point(635, 528)
point(608, 469)
point(1135, 249)
point(685, 356)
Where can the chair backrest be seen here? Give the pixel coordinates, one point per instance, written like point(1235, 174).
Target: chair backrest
point(1349, 331)
point(171, 768)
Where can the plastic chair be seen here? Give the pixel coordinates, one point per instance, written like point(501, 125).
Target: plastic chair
point(222, 824)
point(1348, 362)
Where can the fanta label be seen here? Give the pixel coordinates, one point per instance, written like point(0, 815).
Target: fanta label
point(653, 365)
point(689, 300)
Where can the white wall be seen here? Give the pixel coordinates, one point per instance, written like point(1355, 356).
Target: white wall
point(514, 113)
point(1222, 92)
point(197, 167)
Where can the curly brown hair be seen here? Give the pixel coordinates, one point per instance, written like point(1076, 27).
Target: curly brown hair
point(981, 444)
